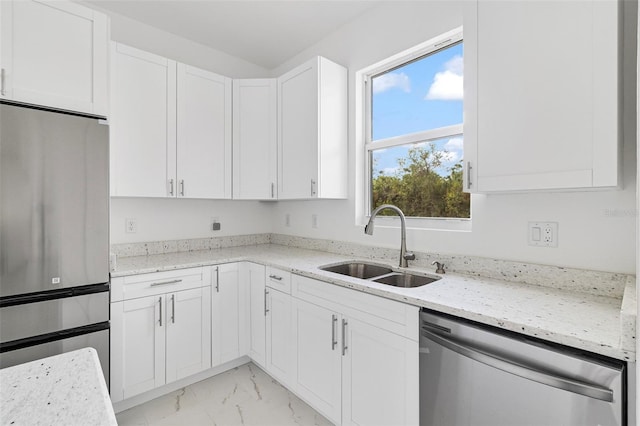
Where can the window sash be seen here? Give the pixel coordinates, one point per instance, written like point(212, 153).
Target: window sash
point(418, 137)
point(444, 41)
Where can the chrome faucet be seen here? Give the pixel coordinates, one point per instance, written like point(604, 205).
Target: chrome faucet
point(404, 254)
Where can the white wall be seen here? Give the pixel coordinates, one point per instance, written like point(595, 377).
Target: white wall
point(590, 236)
point(154, 40)
point(168, 219)
point(175, 219)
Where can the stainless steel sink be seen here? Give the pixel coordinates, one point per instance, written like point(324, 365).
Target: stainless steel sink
point(380, 274)
point(358, 269)
point(405, 280)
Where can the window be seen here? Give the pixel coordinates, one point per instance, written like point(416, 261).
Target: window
point(414, 140)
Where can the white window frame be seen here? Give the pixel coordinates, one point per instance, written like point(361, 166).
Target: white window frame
point(364, 79)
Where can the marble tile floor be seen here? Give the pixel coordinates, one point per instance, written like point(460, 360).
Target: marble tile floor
point(245, 395)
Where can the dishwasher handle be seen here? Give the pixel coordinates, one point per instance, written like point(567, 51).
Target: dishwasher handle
point(545, 378)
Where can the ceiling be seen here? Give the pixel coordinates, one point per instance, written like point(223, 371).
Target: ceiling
point(264, 32)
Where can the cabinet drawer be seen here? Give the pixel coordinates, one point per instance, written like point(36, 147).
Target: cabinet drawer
point(142, 285)
point(278, 279)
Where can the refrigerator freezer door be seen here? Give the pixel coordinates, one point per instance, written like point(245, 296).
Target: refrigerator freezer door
point(54, 200)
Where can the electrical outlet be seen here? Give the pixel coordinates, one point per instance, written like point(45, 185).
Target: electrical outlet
point(287, 220)
point(314, 220)
point(543, 234)
point(215, 224)
point(130, 226)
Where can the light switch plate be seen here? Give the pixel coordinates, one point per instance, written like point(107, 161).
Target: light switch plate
point(543, 234)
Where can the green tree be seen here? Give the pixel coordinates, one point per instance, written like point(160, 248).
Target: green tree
point(420, 186)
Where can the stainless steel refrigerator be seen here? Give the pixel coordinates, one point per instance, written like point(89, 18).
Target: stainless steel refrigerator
point(54, 234)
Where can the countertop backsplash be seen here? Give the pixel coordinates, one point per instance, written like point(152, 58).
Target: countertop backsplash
point(609, 284)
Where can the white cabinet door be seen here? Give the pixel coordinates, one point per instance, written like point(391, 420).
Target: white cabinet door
point(204, 134)
point(143, 124)
point(312, 131)
point(254, 139)
point(143, 344)
point(188, 332)
point(54, 54)
point(379, 376)
point(319, 358)
point(542, 107)
point(226, 313)
point(280, 337)
point(257, 312)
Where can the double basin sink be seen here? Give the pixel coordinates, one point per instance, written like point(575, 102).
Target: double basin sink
point(380, 274)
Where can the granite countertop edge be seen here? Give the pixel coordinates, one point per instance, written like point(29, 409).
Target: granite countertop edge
point(511, 306)
point(36, 392)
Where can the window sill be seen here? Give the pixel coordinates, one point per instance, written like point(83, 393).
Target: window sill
point(424, 224)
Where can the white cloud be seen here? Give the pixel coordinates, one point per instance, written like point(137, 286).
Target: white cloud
point(454, 144)
point(447, 85)
point(455, 65)
point(390, 81)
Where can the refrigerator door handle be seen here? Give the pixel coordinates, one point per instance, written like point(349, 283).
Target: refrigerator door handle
point(526, 372)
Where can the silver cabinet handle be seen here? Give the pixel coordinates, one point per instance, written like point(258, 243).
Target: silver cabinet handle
point(2, 91)
point(266, 294)
point(334, 322)
point(275, 277)
point(313, 187)
point(272, 190)
point(520, 370)
point(160, 304)
point(344, 336)
point(469, 174)
point(182, 187)
point(217, 279)
point(165, 283)
point(171, 187)
point(173, 308)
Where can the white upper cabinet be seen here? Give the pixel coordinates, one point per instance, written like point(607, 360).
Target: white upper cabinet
point(143, 123)
point(312, 131)
point(254, 139)
point(204, 134)
point(170, 128)
point(54, 54)
point(541, 96)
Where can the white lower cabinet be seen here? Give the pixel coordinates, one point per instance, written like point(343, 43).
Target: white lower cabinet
point(188, 333)
point(352, 356)
point(161, 330)
point(357, 355)
point(319, 358)
point(257, 312)
point(144, 341)
point(280, 338)
point(379, 377)
point(226, 304)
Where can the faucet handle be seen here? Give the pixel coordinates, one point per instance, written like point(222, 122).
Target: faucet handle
point(439, 267)
point(409, 255)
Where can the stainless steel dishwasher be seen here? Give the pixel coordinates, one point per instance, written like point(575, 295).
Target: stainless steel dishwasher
point(476, 375)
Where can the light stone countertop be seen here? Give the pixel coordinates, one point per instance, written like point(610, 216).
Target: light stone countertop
point(66, 389)
point(595, 323)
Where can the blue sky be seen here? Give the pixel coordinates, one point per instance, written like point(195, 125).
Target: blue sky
point(422, 95)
